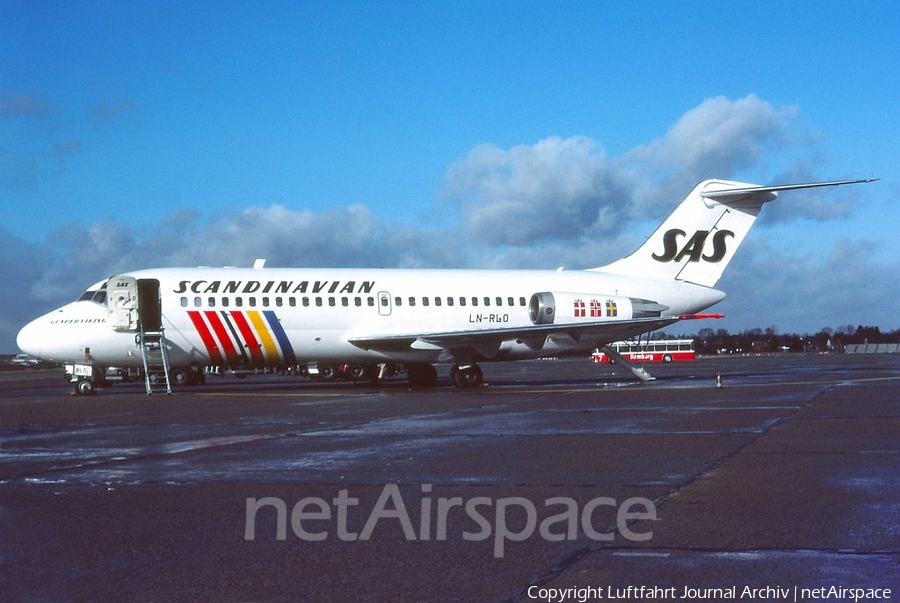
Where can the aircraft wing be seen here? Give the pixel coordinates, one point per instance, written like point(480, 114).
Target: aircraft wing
point(486, 342)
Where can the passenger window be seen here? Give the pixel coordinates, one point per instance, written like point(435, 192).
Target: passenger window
point(331, 302)
point(358, 301)
point(372, 301)
point(499, 301)
point(252, 302)
point(487, 301)
point(412, 301)
point(265, 302)
point(292, 302)
point(521, 301)
point(212, 302)
point(184, 302)
point(345, 301)
point(511, 301)
point(424, 301)
point(319, 302)
point(197, 302)
point(279, 302)
point(305, 302)
point(474, 301)
point(239, 301)
point(449, 301)
point(437, 301)
point(398, 301)
point(225, 302)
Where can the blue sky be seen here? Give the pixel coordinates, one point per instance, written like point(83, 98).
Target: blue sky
point(447, 134)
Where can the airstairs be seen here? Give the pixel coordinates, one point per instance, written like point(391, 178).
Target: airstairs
point(134, 305)
point(156, 362)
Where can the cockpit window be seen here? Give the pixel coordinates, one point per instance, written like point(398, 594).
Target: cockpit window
point(96, 294)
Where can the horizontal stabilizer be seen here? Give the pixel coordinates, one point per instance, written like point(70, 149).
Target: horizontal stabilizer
point(724, 194)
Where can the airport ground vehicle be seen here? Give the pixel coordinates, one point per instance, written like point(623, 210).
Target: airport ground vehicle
point(654, 350)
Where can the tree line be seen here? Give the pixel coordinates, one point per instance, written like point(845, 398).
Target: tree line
point(720, 341)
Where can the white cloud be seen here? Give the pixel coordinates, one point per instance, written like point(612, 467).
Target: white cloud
point(561, 189)
point(721, 136)
point(556, 189)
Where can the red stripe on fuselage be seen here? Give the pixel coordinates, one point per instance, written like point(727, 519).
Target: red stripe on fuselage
point(224, 338)
point(249, 338)
point(215, 356)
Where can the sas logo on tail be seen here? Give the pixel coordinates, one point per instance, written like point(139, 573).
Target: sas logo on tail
point(693, 248)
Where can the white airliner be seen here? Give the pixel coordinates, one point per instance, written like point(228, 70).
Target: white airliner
point(173, 322)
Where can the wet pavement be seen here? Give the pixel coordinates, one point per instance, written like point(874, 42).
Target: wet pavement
point(557, 475)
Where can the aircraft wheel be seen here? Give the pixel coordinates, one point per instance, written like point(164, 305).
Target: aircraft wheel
point(85, 387)
point(421, 375)
point(667, 358)
point(179, 376)
point(327, 372)
point(469, 376)
point(358, 372)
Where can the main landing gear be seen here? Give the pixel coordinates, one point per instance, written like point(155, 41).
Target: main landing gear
point(466, 376)
point(423, 374)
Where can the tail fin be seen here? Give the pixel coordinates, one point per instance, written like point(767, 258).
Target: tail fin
point(698, 240)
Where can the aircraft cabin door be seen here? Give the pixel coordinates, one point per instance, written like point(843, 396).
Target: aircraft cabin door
point(150, 308)
point(384, 303)
point(122, 303)
point(133, 304)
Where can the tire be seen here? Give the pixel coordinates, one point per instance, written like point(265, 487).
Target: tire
point(179, 376)
point(465, 378)
point(85, 387)
point(358, 372)
point(327, 372)
point(667, 358)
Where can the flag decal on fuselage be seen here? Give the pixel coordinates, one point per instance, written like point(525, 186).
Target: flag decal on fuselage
point(243, 338)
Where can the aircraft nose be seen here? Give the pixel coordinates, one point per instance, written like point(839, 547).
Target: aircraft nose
point(30, 339)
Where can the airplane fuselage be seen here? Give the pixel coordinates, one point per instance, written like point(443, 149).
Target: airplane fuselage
point(279, 316)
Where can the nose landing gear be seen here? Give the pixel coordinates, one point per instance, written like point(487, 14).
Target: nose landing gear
point(85, 387)
point(83, 376)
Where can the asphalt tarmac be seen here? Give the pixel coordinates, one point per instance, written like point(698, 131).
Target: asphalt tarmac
point(558, 480)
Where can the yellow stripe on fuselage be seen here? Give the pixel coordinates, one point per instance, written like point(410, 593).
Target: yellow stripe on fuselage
point(264, 336)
